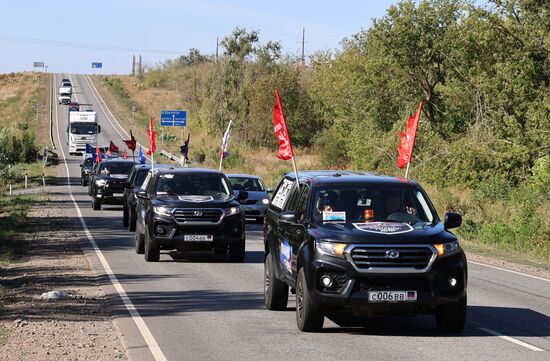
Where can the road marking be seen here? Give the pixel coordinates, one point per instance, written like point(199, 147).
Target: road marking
point(507, 270)
point(141, 325)
point(511, 339)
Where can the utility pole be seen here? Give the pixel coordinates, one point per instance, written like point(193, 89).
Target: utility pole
point(303, 42)
point(217, 44)
point(140, 69)
point(133, 65)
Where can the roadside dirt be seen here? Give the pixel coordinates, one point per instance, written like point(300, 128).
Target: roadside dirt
point(76, 328)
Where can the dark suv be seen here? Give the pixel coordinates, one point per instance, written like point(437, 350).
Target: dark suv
point(107, 181)
point(85, 169)
point(135, 180)
point(189, 209)
point(353, 244)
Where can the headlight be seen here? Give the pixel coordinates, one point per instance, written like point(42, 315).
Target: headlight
point(264, 201)
point(100, 182)
point(163, 211)
point(331, 248)
point(447, 249)
point(232, 210)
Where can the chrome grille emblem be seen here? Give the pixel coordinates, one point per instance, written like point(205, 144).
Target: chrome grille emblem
point(392, 254)
point(197, 213)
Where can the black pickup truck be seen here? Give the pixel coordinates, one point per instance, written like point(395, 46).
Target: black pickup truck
point(189, 209)
point(107, 181)
point(353, 244)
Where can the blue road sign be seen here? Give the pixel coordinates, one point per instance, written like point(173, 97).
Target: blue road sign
point(97, 65)
point(173, 118)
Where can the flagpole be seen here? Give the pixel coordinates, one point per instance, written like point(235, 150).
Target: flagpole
point(407, 171)
point(295, 170)
point(221, 159)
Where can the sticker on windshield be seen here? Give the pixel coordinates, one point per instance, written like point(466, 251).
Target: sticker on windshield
point(167, 176)
point(196, 199)
point(384, 227)
point(334, 216)
point(364, 202)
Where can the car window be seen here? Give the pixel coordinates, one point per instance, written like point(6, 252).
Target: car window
point(116, 168)
point(146, 181)
point(140, 177)
point(246, 184)
point(301, 205)
point(281, 194)
point(193, 184)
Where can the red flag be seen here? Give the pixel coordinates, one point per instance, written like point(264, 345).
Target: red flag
point(113, 147)
point(125, 154)
point(97, 154)
point(108, 152)
point(152, 137)
point(406, 147)
point(131, 144)
point(281, 131)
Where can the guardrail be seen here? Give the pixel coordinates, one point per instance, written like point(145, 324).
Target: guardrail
point(173, 157)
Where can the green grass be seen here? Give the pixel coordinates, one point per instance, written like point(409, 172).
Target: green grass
point(16, 175)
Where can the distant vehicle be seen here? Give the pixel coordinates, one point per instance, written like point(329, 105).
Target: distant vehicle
point(66, 83)
point(83, 128)
point(135, 180)
point(66, 89)
point(85, 168)
point(354, 244)
point(189, 209)
point(64, 97)
point(107, 181)
point(65, 80)
point(258, 196)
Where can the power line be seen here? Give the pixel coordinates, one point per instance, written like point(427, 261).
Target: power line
point(23, 39)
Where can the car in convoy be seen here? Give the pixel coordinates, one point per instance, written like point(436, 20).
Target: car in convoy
point(354, 244)
point(107, 180)
point(135, 180)
point(85, 169)
point(258, 196)
point(189, 209)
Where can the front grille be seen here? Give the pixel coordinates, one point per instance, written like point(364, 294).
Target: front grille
point(375, 258)
point(206, 216)
point(115, 186)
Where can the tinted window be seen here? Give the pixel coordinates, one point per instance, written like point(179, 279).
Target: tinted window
point(246, 184)
point(115, 168)
point(88, 162)
point(140, 177)
point(192, 184)
point(83, 129)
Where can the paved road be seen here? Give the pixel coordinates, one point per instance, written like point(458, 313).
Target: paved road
point(202, 307)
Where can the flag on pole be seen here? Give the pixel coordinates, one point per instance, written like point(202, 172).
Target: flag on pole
point(152, 137)
point(131, 143)
point(97, 154)
point(224, 153)
point(125, 154)
point(281, 131)
point(141, 157)
point(407, 139)
point(112, 147)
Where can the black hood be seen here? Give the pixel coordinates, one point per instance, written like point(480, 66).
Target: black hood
point(180, 201)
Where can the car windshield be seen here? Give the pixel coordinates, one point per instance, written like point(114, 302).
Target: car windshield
point(246, 184)
point(88, 162)
point(112, 168)
point(368, 203)
point(83, 129)
point(213, 185)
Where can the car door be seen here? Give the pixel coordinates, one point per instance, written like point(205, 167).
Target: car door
point(285, 234)
point(297, 233)
point(141, 205)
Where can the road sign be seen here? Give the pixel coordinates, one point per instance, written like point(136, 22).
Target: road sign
point(38, 64)
point(97, 65)
point(173, 118)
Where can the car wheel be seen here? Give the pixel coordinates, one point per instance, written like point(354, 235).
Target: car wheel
point(82, 183)
point(96, 204)
point(124, 215)
point(139, 243)
point(275, 290)
point(152, 252)
point(131, 221)
point(451, 318)
point(308, 316)
point(237, 251)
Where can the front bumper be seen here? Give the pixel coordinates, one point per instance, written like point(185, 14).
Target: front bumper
point(110, 195)
point(254, 210)
point(349, 293)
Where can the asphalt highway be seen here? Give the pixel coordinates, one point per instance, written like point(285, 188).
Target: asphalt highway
point(201, 307)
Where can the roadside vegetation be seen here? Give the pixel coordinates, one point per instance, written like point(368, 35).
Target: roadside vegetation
point(482, 145)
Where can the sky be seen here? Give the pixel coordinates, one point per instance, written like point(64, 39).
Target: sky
point(68, 36)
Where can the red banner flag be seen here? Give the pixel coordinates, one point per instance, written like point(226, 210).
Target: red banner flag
point(97, 154)
point(281, 131)
point(406, 146)
point(125, 154)
point(152, 137)
point(112, 147)
point(131, 144)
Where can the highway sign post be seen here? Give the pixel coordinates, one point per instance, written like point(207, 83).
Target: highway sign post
point(38, 64)
point(173, 118)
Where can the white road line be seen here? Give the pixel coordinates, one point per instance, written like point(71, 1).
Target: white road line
point(141, 325)
point(507, 270)
point(511, 339)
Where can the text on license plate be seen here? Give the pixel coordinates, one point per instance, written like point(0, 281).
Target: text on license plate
point(117, 194)
point(198, 237)
point(392, 296)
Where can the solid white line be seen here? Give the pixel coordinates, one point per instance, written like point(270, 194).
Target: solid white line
point(141, 325)
point(507, 270)
point(511, 339)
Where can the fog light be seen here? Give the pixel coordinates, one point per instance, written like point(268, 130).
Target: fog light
point(160, 230)
point(452, 281)
point(326, 281)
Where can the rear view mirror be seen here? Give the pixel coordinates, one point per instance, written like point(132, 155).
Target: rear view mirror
point(452, 220)
point(142, 194)
point(98, 129)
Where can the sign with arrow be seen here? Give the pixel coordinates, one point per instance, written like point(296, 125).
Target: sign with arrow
point(173, 118)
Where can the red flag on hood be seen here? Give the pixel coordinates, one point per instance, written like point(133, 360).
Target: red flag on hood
point(113, 147)
point(406, 146)
point(152, 137)
point(281, 131)
point(131, 144)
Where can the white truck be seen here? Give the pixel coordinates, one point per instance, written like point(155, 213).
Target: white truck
point(65, 93)
point(83, 128)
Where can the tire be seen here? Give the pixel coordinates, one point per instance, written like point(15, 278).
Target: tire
point(275, 290)
point(237, 252)
point(308, 316)
point(124, 215)
point(96, 204)
point(452, 317)
point(131, 221)
point(151, 251)
point(82, 182)
point(139, 243)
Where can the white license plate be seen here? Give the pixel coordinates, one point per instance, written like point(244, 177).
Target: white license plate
point(198, 237)
point(392, 296)
point(117, 194)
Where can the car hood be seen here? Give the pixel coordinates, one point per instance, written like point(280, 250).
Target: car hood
point(175, 201)
point(382, 232)
point(254, 195)
point(113, 177)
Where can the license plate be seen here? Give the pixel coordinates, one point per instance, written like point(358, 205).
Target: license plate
point(198, 237)
point(117, 194)
point(392, 296)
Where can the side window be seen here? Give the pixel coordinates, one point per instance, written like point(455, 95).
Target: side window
point(145, 182)
point(282, 193)
point(301, 206)
point(151, 184)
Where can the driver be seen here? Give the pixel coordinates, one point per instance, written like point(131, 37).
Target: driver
point(393, 208)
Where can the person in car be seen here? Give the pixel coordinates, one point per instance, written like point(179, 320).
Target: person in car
point(394, 210)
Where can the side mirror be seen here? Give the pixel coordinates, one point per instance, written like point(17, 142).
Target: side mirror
point(242, 196)
point(98, 129)
point(269, 190)
point(287, 217)
point(142, 194)
point(81, 166)
point(452, 220)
